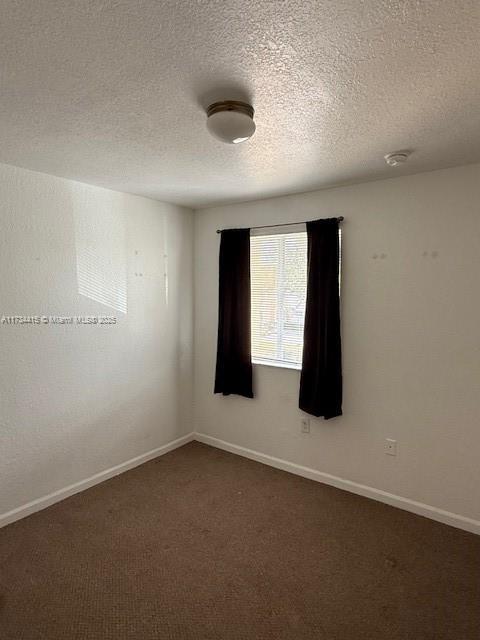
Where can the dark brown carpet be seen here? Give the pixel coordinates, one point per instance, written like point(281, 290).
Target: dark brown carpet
point(202, 544)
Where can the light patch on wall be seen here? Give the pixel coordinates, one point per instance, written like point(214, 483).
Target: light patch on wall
point(165, 259)
point(100, 243)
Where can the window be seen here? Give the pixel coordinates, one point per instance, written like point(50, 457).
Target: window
point(278, 265)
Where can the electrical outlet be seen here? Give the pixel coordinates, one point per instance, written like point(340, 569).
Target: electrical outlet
point(305, 424)
point(390, 447)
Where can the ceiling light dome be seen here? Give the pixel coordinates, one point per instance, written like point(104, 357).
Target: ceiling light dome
point(231, 121)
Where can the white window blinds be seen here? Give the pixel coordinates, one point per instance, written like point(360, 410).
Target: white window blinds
point(279, 282)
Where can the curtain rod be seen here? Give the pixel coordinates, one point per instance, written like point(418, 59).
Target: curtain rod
point(285, 224)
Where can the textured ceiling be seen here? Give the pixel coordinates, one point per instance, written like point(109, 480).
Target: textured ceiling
point(113, 92)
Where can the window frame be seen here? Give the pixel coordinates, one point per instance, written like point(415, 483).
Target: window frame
point(270, 231)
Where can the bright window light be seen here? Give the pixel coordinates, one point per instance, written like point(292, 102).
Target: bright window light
point(278, 265)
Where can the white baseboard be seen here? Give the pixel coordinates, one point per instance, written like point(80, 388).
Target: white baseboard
point(446, 517)
point(61, 494)
point(421, 509)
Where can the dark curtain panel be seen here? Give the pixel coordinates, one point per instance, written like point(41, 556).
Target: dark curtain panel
point(234, 358)
point(321, 378)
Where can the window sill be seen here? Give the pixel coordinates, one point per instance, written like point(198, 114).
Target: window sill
point(278, 364)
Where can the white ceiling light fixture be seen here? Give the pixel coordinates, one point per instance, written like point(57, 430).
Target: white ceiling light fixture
point(231, 121)
point(397, 158)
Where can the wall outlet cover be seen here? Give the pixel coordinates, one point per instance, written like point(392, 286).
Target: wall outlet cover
point(305, 425)
point(390, 447)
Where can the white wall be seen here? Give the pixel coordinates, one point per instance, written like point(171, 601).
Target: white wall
point(411, 340)
point(76, 400)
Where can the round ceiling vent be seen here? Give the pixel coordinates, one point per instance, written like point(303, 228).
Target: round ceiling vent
point(231, 121)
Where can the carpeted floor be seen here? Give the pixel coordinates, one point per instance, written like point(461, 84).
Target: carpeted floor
point(202, 544)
